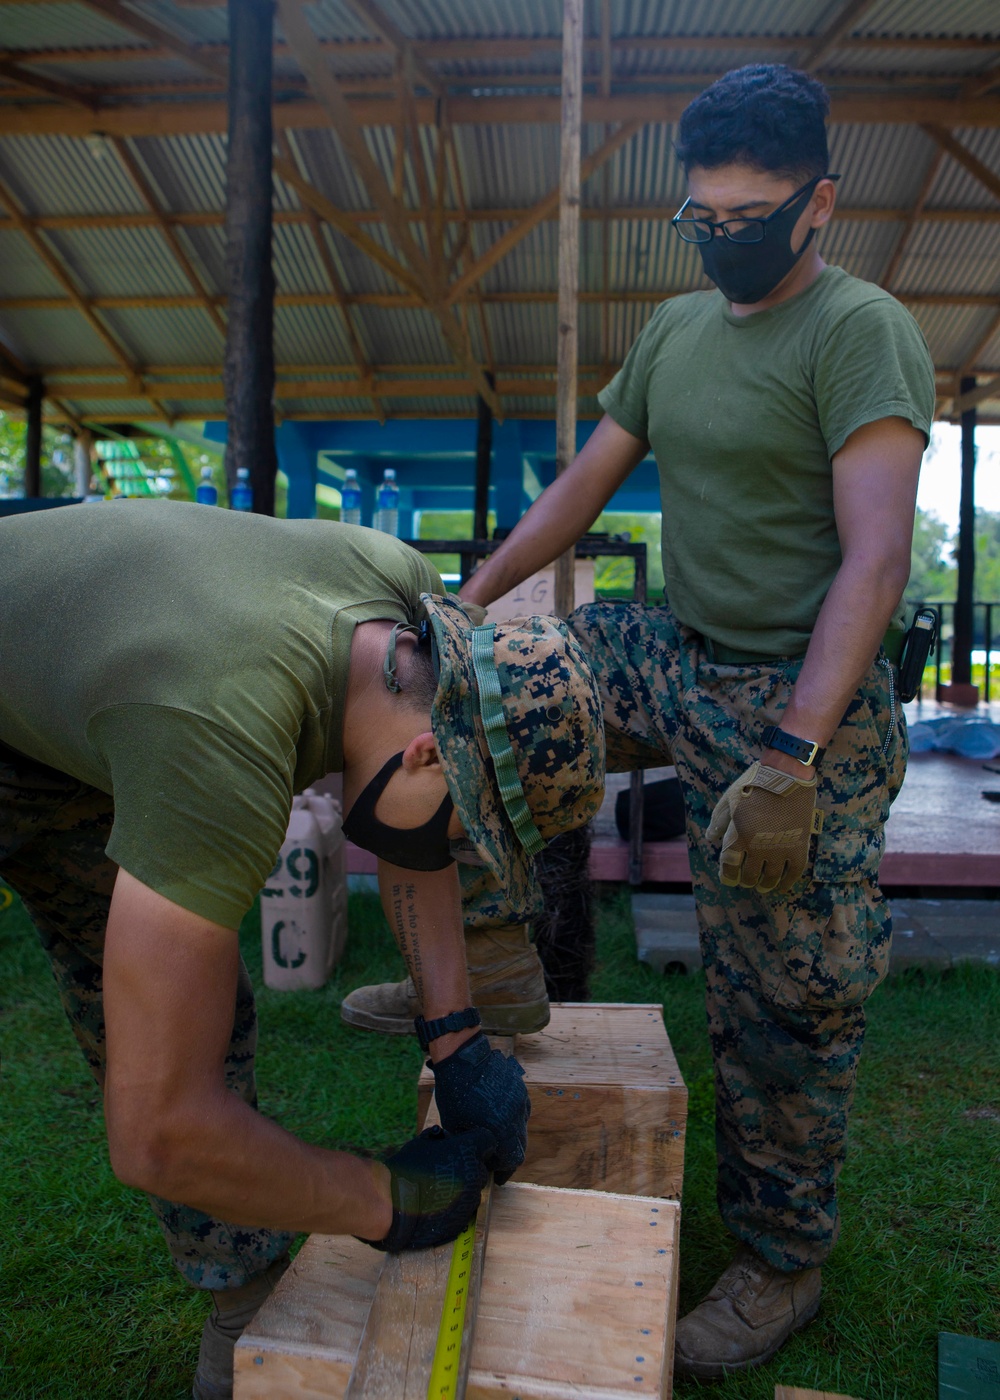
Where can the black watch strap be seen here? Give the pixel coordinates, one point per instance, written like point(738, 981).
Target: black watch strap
point(802, 749)
point(444, 1025)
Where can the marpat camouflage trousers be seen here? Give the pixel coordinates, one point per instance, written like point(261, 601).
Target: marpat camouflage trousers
point(53, 831)
point(787, 975)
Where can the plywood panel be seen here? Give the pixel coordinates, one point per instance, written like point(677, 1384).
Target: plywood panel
point(608, 1103)
point(789, 1392)
point(578, 1300)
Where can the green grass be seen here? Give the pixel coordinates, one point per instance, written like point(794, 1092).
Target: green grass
point(90, 1308)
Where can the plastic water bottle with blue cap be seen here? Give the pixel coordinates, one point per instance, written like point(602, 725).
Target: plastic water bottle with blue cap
point(350, 498)
point(241, 496)
point(206, 493)
point(387, 504)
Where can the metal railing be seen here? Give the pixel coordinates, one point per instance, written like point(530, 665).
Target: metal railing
point(987, 612)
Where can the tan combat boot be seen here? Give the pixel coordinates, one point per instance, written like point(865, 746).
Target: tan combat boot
point(749, 1314)
point(505, 975)
point(234, 1310)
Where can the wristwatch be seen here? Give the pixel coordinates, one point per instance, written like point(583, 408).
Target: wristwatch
point(454, 1021)
point(802, 749)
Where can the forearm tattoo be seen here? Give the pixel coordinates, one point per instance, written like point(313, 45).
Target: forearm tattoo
point(406, 932)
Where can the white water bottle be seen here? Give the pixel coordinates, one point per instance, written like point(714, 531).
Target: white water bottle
point(387, 504)
point(350, 498)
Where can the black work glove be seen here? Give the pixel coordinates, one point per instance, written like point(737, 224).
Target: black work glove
point(437, 1180)
point(479, 1087)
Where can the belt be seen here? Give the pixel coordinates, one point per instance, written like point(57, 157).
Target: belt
point(892, 645)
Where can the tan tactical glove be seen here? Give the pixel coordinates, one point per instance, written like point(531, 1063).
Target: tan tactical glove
point(764, 821)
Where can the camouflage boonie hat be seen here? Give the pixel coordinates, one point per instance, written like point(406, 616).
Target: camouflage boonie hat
point(519, 728)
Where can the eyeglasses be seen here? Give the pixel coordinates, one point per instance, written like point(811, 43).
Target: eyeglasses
point(738, 230)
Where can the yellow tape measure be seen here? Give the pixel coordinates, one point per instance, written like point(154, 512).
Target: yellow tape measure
point(6, 897)
point(448, 1351)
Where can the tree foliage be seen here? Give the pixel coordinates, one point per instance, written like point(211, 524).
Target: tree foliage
point(57, 458)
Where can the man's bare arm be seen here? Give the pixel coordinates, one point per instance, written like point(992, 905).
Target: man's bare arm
point(173, 1127)
point(874, 488)
point(563, 512)
point(424, 910)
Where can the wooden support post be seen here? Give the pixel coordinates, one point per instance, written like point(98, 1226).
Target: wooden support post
point(248, 373)
point(961, 646)
point(484, 452)
point(83, 445)
point(33, 440)
point(569, 269)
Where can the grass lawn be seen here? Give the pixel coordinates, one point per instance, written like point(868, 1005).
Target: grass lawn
point(90, 1308)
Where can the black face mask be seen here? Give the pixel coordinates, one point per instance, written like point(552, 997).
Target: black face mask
point(413, 848)
point(748, 272)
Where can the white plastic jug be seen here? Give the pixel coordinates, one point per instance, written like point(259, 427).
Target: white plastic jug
point(303, 905)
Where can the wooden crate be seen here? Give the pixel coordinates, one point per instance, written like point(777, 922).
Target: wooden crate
point(608, 1104)
point(578, 1300)
point(792, 1392)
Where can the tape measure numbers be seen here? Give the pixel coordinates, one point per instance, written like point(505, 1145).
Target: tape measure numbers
point(446, 1367)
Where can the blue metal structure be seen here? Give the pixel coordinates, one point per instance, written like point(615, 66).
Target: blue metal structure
point(435, 462)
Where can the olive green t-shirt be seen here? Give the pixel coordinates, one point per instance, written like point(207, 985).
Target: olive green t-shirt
point(744, 414)
point(193, 663)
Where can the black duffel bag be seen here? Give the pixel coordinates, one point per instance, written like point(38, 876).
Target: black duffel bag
point(662, 811)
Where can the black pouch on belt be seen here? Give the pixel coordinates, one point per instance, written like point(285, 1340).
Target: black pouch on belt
point(916, 649)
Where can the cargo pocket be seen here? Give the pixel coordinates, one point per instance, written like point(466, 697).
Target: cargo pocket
point(835, 948)
point(860, 775)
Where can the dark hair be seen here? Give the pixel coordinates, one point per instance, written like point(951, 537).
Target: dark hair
point(765, 115)
point(418, 681)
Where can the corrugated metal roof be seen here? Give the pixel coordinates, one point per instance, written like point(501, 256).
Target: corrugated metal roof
point(958, 17)
point(60, 175)
point(166, 335)
point(189, 172)
point(310, 335)
point(502, 167)
point(948, 330)
point(879, 165)
point(114, 261)
point(955, 186)
point(194, 23)
point(861, 248)
point(22, 272)
point(40, 337)
point(60, 26)
point(951, 258)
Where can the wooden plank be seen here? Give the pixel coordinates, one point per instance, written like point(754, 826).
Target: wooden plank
point(567, 335)
point(214, 63)
point(966, 158)
point(668, 861)
point(578, 1298)
point(49, 87)
point(208, 218)
point(989, 389)
point(145, 189)
point(207, 116)
point(790, 1392)
point(397, 1346)
point(847, 18)
point(326, 87)
point(609, 1103)
point(913, 218)
point(499, 47)
point(546, 208)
